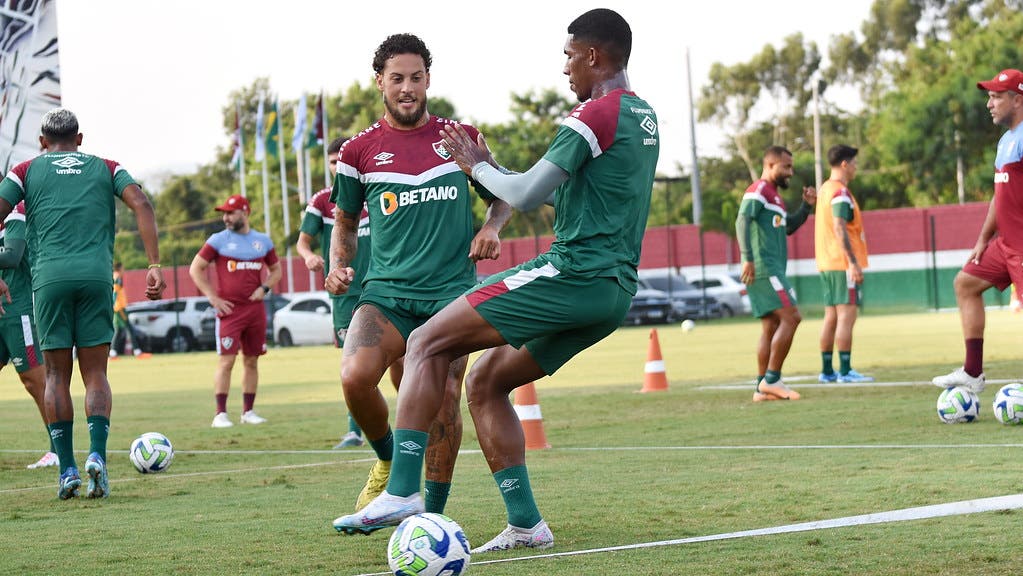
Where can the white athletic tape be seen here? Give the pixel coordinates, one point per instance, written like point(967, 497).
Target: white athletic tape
point(529, 412)
point(654, 366)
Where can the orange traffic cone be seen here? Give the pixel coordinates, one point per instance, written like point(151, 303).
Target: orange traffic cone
point(528, 409)
point(654, 380)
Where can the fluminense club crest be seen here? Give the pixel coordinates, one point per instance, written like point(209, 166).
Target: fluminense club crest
point(441, 151)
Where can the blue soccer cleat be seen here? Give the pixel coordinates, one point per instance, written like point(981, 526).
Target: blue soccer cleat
point(827, 378)
point(854, 377)
point(68, 484)
point(99, 486)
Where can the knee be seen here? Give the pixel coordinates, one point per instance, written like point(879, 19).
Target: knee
point(964, 285)
point(474, 389)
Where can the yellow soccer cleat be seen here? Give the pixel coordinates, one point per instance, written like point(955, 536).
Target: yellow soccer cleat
point(375, 484)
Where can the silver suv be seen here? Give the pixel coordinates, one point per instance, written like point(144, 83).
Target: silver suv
point(173, 325)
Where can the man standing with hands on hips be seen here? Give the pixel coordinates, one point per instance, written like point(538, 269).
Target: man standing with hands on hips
point(241, 254)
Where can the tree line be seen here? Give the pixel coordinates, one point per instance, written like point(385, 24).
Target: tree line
point(925, 135)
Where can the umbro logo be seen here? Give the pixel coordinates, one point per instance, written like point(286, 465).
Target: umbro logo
point(508, 484)
point(68, 165)
point(648, 125)
point(410, 445)
point(383, 158)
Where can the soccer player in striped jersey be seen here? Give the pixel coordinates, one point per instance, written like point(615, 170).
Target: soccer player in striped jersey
point(531, 319)
point(762, 229)
point(997, 258)
point(318, 223)
point(424, 254)
point(840, 248)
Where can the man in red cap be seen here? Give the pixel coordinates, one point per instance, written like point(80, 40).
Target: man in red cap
point(241, 255)
point(997, 258)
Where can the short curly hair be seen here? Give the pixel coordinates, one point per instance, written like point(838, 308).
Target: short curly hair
point(400, 44)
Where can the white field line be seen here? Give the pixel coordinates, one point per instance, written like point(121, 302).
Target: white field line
point(1011, 502)
point(789, 380)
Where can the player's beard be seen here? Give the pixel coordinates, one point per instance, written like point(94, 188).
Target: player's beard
point(783, 183)
point(236, 226)
point(409, 120)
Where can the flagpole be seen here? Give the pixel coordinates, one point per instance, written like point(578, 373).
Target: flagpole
point(284, 197)
point(326, 142)
point(241, 147)
point(261, 155)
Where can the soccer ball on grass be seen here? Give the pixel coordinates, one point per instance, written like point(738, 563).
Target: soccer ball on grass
point(428, 545)
point(1008, 404)
point(151, 452)
point(957, 404)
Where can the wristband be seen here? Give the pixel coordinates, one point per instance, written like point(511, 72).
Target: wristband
point(151, 266)
point(266, 289)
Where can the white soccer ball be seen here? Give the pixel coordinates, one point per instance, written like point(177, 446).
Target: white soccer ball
point(957, 404)
point(428, 545)
point(1008, 404)
point(688, 325)
point(151, 452)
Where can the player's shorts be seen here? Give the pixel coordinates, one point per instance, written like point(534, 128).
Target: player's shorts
point(999, 265)
point(839, 289)
point(342, 308)
point(243, 330)
point(19, 343)
point(769, 294)
point(555, 316)
point(405, 314)
point(74, 313)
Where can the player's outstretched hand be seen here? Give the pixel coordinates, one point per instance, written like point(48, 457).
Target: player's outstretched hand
point(463, 150)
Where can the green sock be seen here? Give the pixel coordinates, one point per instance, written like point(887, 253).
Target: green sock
point(62, 437)
point(826, 365)
point(518, 496)
point(772, 376)
point(99, 430)
point(437, 496)
point(53, 448)
point(756, 383)
point(410, 450)
point(353, 426)
point(384, 447)
point(844, 361)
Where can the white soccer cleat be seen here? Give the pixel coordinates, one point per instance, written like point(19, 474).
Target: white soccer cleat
point(222, 421)
point(250, 417)
point(538, 537)
point(385, 510)
point(959, 377)
point(48, 459)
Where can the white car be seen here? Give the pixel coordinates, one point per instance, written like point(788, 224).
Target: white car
point(307, 319)
point(728, 289)
point(173, 325)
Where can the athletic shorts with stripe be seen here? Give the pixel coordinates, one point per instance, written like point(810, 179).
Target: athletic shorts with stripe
point(554, 315)
point(839, 289)
point(999, 265)
point(342, 310)
point(769, 294)
point(19, 343)
point(74, 313)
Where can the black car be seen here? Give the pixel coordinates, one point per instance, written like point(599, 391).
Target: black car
point(688, 301)
point(649, 307)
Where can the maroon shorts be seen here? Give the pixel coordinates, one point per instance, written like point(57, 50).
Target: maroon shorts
point(999, 265)
point(244, 329)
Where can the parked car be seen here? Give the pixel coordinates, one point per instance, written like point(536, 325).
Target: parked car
point(649, 307)
point(728, 289)
point(172, 325)
point(688, 302)
point(305, 320)
point(272, 303)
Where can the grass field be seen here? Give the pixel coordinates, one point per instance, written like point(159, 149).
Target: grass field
point(625, 468)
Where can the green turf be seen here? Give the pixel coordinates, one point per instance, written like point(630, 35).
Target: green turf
point(625, 468)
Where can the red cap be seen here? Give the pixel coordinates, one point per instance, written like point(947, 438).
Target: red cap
point(1004, 81)
point(236, 202)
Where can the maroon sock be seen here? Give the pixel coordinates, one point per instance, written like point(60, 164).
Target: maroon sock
point(248, 400)
point(974, 364)
point(221, 402)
